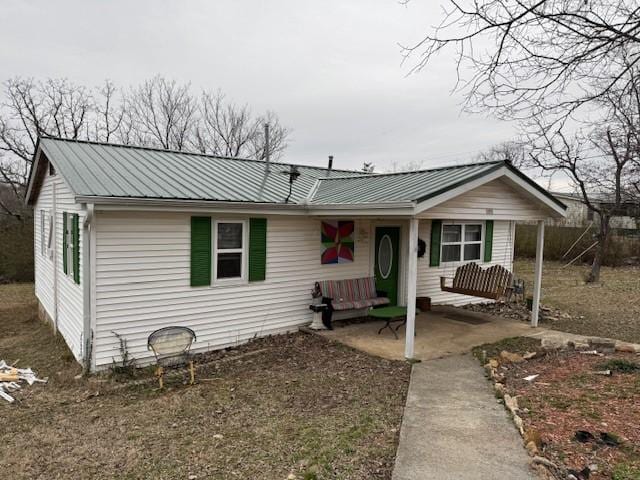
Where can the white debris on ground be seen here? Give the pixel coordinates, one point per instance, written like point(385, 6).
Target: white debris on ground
point(10, 378)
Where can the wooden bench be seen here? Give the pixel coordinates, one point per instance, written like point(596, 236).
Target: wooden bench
point(351, 294)
point(471, 279)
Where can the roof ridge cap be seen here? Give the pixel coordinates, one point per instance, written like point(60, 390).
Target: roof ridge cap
point(435, 169)
point(183, 152)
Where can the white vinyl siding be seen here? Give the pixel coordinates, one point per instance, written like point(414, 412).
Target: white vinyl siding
point(69, 310)
point(496, 200)
point(143, 282)
point(429, 277)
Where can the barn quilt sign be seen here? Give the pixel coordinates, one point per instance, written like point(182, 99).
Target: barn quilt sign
point(337, 241)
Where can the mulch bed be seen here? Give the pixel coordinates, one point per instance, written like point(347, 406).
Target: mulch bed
point(568, 397)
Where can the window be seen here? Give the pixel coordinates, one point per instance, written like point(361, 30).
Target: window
point(50, 237)
point(52, 169)
point(71, 245)
point(43, 233)
point(68, 245)
point(229, 251)
point(461, 242)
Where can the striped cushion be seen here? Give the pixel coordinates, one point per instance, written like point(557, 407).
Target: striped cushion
point(351, 290)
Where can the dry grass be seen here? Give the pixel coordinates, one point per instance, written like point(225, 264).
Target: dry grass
point(608, 309)
point(298, 405)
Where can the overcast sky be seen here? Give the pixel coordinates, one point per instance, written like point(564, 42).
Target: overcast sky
point(331, 70)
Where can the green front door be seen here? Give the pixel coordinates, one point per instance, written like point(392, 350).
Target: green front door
point(386, 261)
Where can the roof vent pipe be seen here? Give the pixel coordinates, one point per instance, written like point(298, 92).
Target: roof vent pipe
point(267, 150)
point(330, 164)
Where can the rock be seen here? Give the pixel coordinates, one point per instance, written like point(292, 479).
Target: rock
point(553, 344)
point(602, 345)
point(511, 357)
point(291, 476)
point(532, 449)
point(499, 388)
point(530, 355)
point(627, 347)
point(511, 403)
point(192, 477)
point(493, 363)
point(218, 436)
point(518, 421)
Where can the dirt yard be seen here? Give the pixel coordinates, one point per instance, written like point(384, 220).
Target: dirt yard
point(609, 309)
point(568, 397)
point(292, 406)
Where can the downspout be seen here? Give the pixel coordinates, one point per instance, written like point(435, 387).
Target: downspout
point(87, 333)
point(54, 214)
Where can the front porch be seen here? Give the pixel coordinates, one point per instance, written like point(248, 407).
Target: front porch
point(440, 332)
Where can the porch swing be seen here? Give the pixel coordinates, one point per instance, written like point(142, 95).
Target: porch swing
point(470, 279)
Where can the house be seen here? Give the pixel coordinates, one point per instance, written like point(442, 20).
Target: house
point(625, 219)
point(128, 240)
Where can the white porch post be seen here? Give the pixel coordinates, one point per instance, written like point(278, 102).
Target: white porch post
point(412, 277)
point(538, 275)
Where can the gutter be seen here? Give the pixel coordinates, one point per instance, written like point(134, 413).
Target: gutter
point(120, 203)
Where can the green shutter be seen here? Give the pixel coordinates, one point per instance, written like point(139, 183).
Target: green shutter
point(434, 251)
point(64, 242)
point(200, 251)
point(257, 249)
point(488, 240)
point(76, 248)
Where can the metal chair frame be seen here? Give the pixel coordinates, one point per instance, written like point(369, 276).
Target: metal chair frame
point(180, 356)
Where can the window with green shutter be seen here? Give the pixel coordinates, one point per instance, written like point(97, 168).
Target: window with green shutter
point(200, 251)
point(71, 245)
point(257, 249)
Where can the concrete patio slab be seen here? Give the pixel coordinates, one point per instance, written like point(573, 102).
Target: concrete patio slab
point(439, 332)
point(453, 427)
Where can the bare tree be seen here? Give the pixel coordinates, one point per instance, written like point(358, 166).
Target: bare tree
point(159, 113)
point(532, 57)
point(227, 129)
point(567, 70)
point(31, 109)
point(109, 114)
point(601, 160)
point(512, 151)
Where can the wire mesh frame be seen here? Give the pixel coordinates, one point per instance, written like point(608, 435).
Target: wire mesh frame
point(171, 345)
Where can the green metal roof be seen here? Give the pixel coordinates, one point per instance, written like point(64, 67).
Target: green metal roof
point(106, 170)
point(399, 187)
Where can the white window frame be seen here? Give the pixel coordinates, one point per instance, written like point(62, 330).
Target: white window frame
point(244, 260)
point(462, 241)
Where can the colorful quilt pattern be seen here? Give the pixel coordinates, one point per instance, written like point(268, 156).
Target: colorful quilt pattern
point(337, 242)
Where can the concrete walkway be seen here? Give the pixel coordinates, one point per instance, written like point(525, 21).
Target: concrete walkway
point(453, 427)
